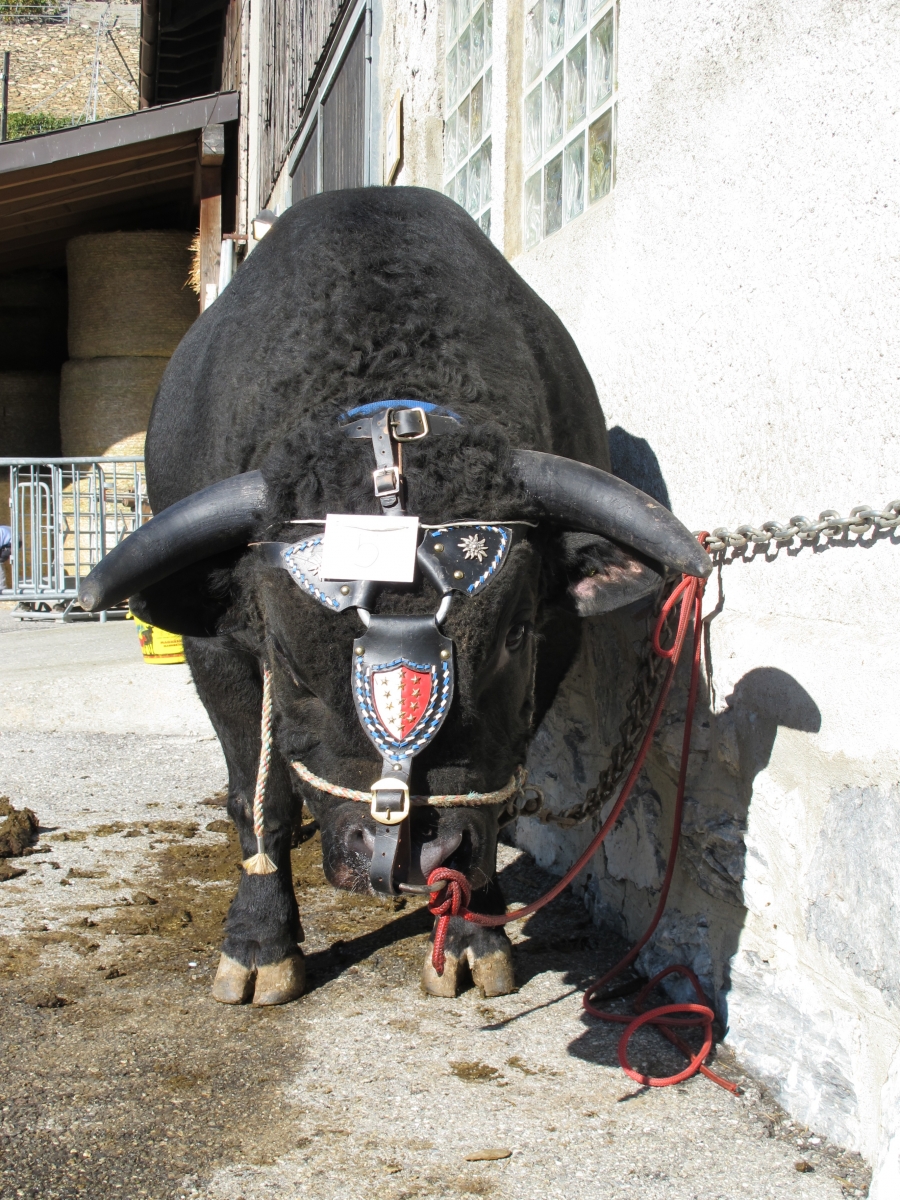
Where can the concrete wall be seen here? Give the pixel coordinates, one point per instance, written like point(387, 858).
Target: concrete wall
point(736, 298)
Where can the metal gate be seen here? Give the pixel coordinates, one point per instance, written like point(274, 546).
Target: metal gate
point(65, 515)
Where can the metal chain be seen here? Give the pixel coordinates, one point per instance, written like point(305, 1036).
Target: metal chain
point(648, 676)
point(651, 667)
point(829, 525)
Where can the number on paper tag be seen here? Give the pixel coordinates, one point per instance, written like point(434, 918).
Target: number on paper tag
point(380, 549)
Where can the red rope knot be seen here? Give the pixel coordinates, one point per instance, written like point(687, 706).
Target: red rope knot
point(450, 901)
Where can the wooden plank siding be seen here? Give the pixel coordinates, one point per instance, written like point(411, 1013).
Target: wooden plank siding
point(294, 36)
point(343, 120)
point(231, 47)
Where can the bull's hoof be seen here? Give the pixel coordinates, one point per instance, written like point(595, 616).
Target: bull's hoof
point(493, 973)
point(281, 982)
point(441, 985)
point(233, 983)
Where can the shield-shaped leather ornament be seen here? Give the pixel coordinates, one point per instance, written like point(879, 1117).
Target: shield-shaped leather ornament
point(402, 683)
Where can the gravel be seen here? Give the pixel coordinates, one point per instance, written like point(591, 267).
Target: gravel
point(125, 1078)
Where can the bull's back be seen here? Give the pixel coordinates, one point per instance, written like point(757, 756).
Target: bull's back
point(365, 295)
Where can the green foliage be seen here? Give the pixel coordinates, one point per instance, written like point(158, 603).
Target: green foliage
point(26, 8)
point(25, 124)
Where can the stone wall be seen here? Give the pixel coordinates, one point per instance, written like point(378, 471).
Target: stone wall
point(736, 300)
point(51, 63)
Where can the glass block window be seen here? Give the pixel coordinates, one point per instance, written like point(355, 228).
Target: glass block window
point(569, 120)
point(467, 128)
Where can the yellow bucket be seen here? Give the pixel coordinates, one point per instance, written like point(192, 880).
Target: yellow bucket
point(158, 645)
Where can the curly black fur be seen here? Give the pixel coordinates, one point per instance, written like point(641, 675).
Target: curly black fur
point(353, 297)
point(461, 474)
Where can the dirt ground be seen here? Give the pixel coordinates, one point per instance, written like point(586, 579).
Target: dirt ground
point(123, 1077)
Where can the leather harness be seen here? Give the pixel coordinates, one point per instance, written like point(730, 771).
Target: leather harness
point(402, 673)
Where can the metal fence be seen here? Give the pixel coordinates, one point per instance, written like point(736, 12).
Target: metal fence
point(65, 515)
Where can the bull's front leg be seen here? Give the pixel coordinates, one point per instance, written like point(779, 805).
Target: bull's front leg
point(470, 948)
point(261, 959)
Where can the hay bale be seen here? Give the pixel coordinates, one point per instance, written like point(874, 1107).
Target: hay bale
point(127, 293)
point(32, 321)
point(104, 404)
point(29, 413)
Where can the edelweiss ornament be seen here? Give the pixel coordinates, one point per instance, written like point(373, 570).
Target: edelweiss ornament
point(464, 558)
point(473, 546)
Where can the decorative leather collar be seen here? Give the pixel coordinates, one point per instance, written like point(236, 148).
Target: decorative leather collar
point(402, 672)
point(463, 558)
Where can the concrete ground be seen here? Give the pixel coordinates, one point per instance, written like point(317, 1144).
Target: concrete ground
point(123, 1077)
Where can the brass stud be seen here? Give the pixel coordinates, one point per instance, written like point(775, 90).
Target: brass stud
point(445, 654)
point(459, 575)
point(345, 591)
point(397, 767)
point(439, 547)
point(359, 651)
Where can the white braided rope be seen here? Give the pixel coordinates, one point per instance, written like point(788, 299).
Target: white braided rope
point(260, 863)
point(516, 784)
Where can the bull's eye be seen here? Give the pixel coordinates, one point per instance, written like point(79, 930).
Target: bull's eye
point(515, 636)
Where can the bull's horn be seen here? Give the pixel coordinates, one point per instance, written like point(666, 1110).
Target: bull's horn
point(586, 498)
point(221, 516)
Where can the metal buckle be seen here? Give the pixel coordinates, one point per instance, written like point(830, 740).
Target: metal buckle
point(386, 481)
point(389, 816)
point(408, 412)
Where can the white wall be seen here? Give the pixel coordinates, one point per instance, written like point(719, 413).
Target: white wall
point(736, 298)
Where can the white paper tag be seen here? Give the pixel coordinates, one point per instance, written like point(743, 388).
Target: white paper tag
point(381, 549)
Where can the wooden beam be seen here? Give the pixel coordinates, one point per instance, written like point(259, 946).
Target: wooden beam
point(211, 154)
point(27, 180)
point(23, 199)
point(47, 213)
point(51, 219)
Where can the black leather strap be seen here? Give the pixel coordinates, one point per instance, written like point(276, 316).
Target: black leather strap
point(392, 644)
point(388, 430)
point(390, 856)
point(386, 476)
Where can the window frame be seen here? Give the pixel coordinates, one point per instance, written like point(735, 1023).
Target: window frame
point(537, 167)
point(312, 124)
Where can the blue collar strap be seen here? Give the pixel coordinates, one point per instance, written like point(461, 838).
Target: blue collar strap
point(377, 406)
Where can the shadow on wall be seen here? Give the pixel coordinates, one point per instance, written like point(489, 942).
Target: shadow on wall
point(705, 912)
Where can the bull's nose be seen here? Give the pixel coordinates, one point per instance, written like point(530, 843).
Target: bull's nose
point(424, 856)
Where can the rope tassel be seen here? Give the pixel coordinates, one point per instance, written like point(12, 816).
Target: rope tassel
point(260, 863)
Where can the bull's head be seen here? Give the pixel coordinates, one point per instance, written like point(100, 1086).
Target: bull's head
point(582, 542)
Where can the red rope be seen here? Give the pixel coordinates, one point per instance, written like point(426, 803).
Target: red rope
point(453, 900)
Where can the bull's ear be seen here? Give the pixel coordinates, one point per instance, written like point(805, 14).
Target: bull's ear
point(195, 602)
point(601, 575)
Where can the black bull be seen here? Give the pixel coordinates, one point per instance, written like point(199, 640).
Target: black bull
point(355, 298)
